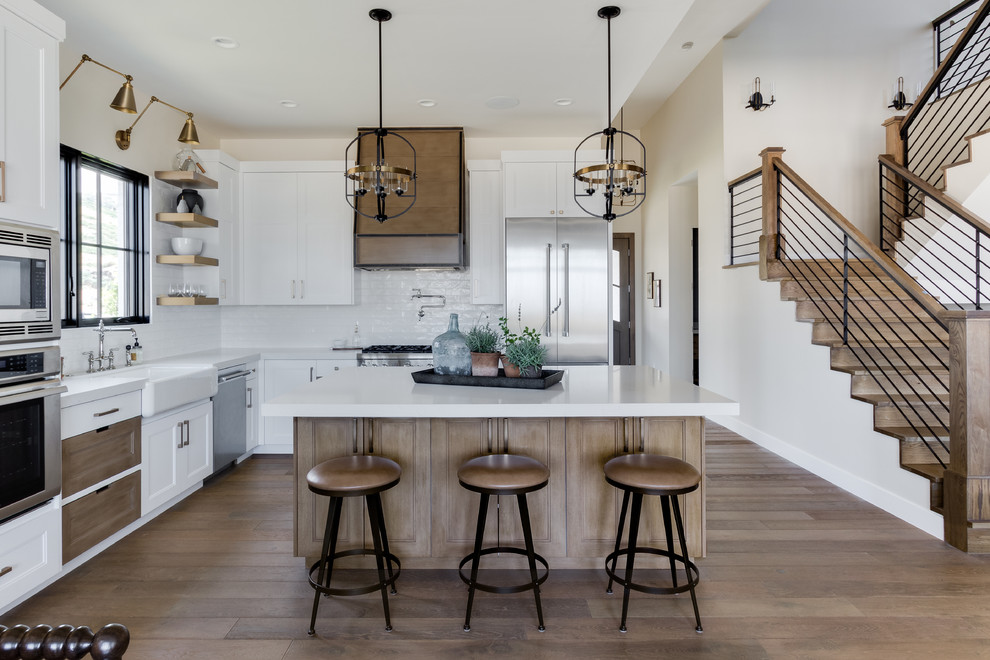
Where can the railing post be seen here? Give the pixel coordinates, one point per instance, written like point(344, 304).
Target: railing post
point(770, 238)
point(894, 191)
point(967, 479)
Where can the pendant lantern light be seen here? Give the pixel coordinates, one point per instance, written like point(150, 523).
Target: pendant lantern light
point(376, 177)
point(618, 180)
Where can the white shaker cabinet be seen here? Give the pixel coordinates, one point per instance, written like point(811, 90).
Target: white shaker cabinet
point(281, 377)
point(297, 235)
point(487, 232)
point(540, 184)
point(176, 452)
point(223, 205)
point(29, 121)
point(253, 409)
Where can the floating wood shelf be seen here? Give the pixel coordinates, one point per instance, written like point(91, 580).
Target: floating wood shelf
point(194, 220)
point(186, 260)
point(184, 179)
point(183, 301)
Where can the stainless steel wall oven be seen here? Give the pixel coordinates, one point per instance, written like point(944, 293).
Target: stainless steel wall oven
point(30, 430)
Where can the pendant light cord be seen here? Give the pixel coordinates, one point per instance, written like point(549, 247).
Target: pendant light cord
point(608, 119)
point(380, 121)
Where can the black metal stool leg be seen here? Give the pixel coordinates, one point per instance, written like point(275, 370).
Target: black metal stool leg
point(618, 536)
point(530, 555)
point(374, 513)
point(478, 539)
point(326, 556)
point(377, 498)
point(687, 570)
point(669, 534)
point(637, 506)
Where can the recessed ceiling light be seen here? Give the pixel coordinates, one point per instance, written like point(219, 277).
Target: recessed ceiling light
point(427, 103)
point(687, 45)
point(225, 42)
point(563, 102)
point(501, 102)
point(288, 103)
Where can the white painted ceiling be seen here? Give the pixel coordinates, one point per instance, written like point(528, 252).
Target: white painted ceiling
point(322, 54)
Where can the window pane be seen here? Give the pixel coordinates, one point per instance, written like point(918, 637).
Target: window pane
point(89, 288)
point(113, 281)
point(87, 214)
point(112, 213)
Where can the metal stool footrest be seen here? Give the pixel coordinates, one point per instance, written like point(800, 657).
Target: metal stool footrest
point(393, 563)
point(513, 589)
point(690, 568)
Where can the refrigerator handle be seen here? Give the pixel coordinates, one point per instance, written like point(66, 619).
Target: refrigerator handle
point(547, 331)
point(567, 290)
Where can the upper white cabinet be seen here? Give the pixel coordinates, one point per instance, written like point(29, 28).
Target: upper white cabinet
point(487, 232)
point(29, 36)
point(297, 235)
point(540, 184)
point(223, 204)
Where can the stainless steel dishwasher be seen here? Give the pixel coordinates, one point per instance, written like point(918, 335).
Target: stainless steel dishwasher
point(230, 416)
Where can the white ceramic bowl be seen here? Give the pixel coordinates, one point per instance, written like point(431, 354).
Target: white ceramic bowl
point(183, 245)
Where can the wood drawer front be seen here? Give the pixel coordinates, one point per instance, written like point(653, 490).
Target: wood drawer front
point(90, 519)
point(90, 458)
point(92, 415)
point(29, 547)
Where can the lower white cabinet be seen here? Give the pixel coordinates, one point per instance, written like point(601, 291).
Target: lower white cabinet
point(30, 551)
point(281, 377)
point(177, 452)
point(253, 410)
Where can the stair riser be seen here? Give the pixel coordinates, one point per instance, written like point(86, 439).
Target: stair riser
point(818, 310)
point(903, 384)
point(844, 359)
point(915, 451)
point(791, 290)
point(887, 414)
point(824, 269)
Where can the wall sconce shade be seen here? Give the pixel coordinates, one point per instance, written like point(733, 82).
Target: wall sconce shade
point(124, 100)
point(188, 135)
point(756, 99)
point(899, 101)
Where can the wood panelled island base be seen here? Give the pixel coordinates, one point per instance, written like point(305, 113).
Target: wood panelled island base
point(430, 517)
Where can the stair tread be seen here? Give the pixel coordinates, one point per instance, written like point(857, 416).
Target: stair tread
point(884, 399)
point(933, 471)
point(906, 432)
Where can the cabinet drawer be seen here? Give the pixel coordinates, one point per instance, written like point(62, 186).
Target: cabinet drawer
point(90, 519)
point(90, 458)
point(92, 415)
point(29, 548)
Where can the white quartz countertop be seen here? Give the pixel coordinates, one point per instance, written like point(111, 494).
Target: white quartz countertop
point(587, 391)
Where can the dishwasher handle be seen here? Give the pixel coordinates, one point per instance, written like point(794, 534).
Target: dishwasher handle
point(226, 378)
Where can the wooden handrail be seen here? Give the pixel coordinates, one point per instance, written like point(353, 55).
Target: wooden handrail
point(946, 64)
point(895, 272)
point(740, 179)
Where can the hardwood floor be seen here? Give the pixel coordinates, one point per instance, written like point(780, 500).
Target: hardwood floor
point(797, 568)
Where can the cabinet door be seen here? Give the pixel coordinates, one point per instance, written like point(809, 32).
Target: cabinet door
point(197, 451)
point(269, 222)
point(228, 202)
point(28, 123)
point(542, 439)
point(487, 238)
point(318, 440)
point(407, 505)
point(283, 376)
point(530, 190)
point(253, 412)
point(566, 205)
point(160, 447)
point(455, 509)
point(325, 241)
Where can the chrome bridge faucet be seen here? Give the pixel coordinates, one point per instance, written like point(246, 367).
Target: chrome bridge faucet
point(99, 359)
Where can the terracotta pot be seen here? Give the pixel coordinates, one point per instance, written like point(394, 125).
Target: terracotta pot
point(531, 371)
point(484, 364)
point(511, 370)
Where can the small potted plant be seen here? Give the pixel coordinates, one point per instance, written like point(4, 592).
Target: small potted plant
point(484, 342)
point(523, 352)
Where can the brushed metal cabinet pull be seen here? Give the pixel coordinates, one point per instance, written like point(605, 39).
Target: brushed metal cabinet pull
point(292, 289)
point(186, 424)
point(250, 397)
point(567, 289)
point(302, 289)
point(5, 569)
point(106, 412)
point(3, 189)
point(180, 435)
point(549, 248)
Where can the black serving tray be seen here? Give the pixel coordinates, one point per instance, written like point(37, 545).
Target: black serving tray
point(547, 378)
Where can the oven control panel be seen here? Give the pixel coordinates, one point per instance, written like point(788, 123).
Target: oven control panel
point(28, 364)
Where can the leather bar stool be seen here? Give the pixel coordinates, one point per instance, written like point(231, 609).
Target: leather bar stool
point(354, 476)
point(648, 474)
point(503, 474)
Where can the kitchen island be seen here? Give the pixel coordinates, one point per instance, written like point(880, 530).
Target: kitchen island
point(574, 427)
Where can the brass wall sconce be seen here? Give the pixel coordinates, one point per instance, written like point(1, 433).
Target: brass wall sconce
point(756, 101)
point(188, 135)
point(124, 100)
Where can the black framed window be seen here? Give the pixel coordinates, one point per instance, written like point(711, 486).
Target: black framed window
point(104, 241)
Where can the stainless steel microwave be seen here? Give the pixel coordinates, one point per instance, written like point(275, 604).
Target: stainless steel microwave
point(29, 284)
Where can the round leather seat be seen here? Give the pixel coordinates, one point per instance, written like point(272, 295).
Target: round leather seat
point(350, 476)
point(503, 474)
point(651, 474)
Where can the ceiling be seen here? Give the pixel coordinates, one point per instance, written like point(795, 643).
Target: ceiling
point(323, 56)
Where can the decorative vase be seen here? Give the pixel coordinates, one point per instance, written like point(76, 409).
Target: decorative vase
point(511, 370)
point(451, 355)
point(191, 198)
point(484, 364)
point(531, 371)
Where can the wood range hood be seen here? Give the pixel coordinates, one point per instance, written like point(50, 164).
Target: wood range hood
point(431, 234)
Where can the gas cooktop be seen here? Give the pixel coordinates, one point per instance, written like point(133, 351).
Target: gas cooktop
point(398, 348)
point(396, 355)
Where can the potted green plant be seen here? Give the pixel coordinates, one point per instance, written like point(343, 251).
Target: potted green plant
point(484, 342)
point(523, 353)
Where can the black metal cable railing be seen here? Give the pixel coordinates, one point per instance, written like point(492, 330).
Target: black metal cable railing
point(934, 239)
point(949, 27)
point(954, 105)
point(745, 218)
point(888, 330)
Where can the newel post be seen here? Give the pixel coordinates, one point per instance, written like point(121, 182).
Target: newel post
point(967, 479)
point(770, 238)
point(893, 207)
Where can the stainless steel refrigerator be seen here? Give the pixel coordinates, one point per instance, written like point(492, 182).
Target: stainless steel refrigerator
point(557, 278)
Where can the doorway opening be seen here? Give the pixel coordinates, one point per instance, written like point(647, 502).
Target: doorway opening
point(623, 297)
